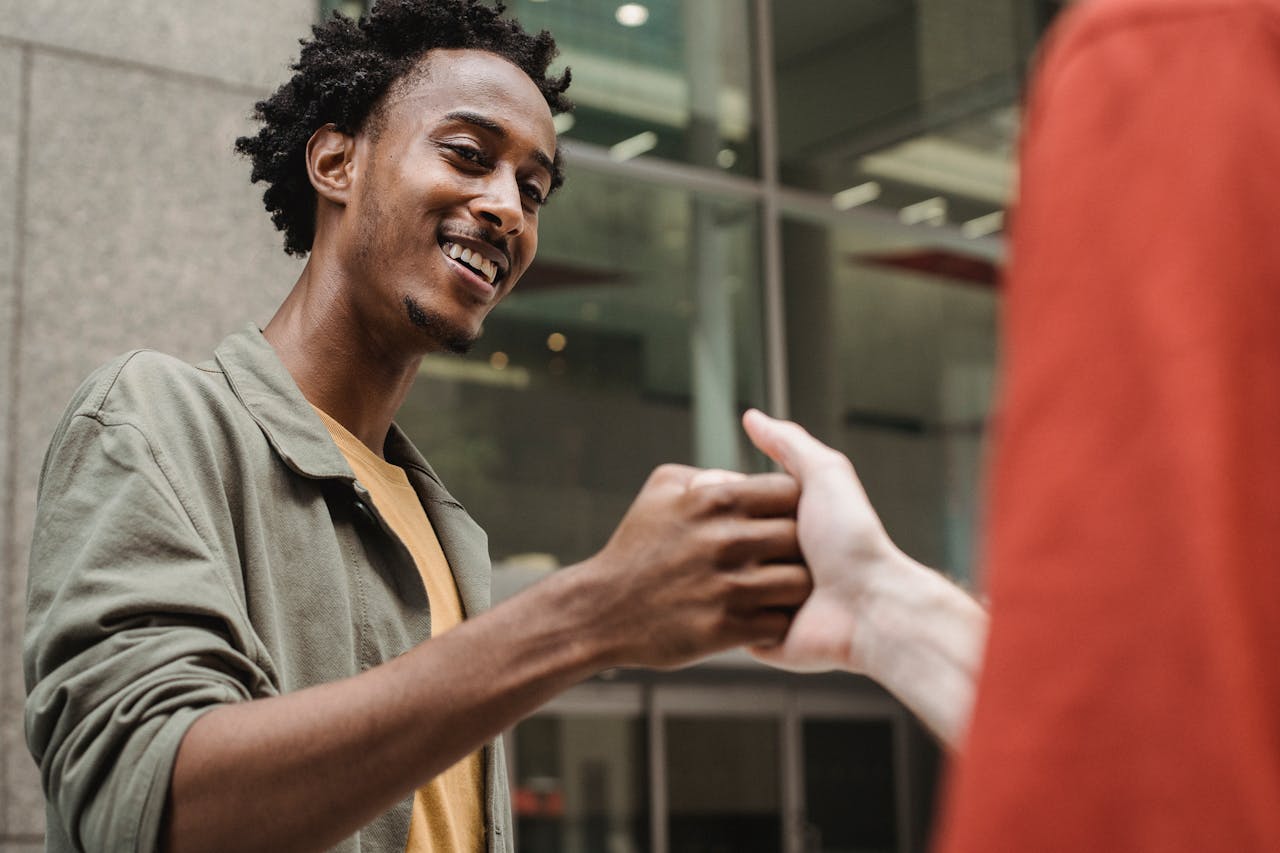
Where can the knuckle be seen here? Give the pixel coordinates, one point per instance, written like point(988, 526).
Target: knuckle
point(722, 622)
point(734, 584)
point(664, 473)
point(725, 546)
point(718, 499)
point(839, 462)
point(777, 480)
point(669, 469)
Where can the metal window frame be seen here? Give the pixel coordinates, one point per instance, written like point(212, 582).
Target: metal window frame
point(774, 200)
point(789, 705)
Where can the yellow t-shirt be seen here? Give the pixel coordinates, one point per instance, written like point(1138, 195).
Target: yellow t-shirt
point(447, 812)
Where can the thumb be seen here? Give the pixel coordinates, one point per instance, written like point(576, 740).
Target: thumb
point(763, 432)
point(786, 443)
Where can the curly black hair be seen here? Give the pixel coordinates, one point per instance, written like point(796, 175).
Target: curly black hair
point(347, 66)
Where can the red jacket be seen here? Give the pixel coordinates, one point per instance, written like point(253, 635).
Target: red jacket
point(1130, 697)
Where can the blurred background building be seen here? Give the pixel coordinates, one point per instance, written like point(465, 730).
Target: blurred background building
point(791, 204)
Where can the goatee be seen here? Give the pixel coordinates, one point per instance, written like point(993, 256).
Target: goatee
point(448, 336)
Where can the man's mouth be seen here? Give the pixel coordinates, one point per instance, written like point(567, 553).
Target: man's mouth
point(473, 260)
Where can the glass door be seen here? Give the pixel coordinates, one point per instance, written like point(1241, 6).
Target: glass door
point(580, 774)
point(721, 776)
point(714, 765)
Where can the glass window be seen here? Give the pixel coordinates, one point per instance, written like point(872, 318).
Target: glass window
point(633, 340)
point(581, 785)
point(849, 787)
point(664, 78)
point(927, 117)
point(350, 8)
point(891, 346)
point(856, 777)
point(723, 785)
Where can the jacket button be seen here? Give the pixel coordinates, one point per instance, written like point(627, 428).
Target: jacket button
point(363, 509)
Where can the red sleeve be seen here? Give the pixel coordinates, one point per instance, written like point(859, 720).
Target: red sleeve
point(1130, 696)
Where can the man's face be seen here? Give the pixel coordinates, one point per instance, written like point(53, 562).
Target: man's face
point(446, 211)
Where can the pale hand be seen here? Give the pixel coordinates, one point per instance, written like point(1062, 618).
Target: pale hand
point(873, 610)
point(842, 540)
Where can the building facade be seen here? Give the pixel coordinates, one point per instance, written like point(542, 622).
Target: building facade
point(790, 204)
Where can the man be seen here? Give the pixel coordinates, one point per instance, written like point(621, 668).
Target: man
point(1129, 690)
point(237, 566)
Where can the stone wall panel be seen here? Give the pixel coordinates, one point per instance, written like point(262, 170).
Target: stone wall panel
point(142, 230)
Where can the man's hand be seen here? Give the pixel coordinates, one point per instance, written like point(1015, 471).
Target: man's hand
point(842, 540)
point(873, 609)
point(701, 562)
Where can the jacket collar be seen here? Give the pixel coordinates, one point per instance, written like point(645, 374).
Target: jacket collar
point(266, 389)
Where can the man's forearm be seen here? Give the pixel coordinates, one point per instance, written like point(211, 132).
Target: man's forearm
point(687, 573)
point(922, 638)
point(304, 770)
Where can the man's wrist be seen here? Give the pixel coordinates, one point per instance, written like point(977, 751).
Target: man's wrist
point(578, 595)
point(921, 637)
point(901, 605)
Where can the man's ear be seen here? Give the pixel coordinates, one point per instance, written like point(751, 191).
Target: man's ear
point(331, 163)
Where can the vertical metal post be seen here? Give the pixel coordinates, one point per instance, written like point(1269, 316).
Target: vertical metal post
point(902, 781)
point(770, 213)
point(793, 811)
point(658, 842)
point(714, 374)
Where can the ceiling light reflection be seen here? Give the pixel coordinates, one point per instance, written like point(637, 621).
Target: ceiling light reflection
point(634, 146)
point(564, 123)
point(632, 14)
point(856, 196)
point(931, 211)
point(983, 226)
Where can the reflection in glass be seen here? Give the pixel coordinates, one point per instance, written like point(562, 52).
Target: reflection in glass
point(676, 86)
point(581, 785)
point(927, 117)
point(892, 354)
point(723, 785)
point(350, 8)
point(633, 340)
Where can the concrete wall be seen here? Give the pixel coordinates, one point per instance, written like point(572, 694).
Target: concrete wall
point(125, 221)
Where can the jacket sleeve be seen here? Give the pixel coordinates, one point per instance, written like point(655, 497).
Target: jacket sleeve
point(134, 629)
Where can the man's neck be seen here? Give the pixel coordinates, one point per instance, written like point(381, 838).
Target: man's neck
point(355, 377)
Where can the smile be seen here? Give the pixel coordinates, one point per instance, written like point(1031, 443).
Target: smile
point(473, 260)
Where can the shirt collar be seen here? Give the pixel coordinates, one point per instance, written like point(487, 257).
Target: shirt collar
point(266, 388)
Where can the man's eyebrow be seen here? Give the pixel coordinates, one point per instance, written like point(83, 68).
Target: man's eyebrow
point(482, 121)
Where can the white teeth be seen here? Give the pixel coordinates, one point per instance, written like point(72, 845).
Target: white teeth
point(474, 259)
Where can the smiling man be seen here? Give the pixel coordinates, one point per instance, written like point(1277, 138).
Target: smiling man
point(257, 619)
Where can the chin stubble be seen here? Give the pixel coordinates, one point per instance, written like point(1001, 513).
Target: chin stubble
point(440, 330)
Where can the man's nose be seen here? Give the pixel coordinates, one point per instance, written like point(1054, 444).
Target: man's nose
point(500, 204)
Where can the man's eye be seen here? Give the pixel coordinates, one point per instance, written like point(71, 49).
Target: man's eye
point(466, 152)
point(535, 195)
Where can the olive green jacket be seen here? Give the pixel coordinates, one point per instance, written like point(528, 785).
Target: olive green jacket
point(200, 540)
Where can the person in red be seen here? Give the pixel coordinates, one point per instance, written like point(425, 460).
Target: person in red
point(1129, 690)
